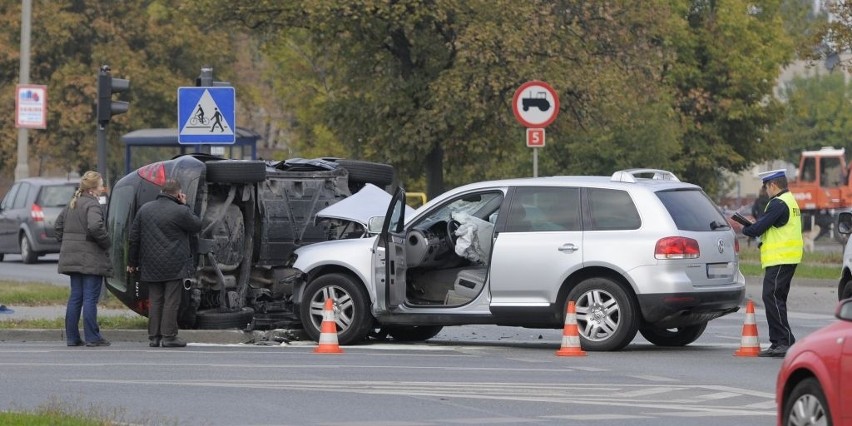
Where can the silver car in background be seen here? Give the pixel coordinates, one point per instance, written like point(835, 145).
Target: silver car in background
point(27, 214)
point(637, 251)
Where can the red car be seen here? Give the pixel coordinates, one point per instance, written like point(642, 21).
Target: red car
point(814, 385)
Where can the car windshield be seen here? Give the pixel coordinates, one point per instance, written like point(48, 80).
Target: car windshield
point(692, 210)
point(472, 205)
point(55, 195)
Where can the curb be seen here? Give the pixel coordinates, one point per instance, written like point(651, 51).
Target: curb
point(141, 336)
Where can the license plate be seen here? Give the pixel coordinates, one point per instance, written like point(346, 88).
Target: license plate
point(720, 270)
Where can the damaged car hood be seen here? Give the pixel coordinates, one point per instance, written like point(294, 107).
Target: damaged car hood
point(369, 202)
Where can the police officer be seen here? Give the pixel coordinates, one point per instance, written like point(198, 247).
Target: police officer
point(781, 248)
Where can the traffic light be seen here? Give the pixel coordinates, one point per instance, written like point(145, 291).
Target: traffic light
point(205, 79)
point(108, 85)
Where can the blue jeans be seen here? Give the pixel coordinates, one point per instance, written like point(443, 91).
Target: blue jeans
point(85, 291)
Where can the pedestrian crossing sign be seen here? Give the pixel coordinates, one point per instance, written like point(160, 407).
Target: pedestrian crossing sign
point(206, 115)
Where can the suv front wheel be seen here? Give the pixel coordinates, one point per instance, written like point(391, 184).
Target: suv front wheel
point(606, 317)
point(351, 308)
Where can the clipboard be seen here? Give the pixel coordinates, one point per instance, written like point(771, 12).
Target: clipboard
point(742, 220)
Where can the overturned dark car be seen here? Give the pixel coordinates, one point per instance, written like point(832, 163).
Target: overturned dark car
point(254, 214)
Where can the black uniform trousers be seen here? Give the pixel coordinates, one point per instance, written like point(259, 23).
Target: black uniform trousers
point(776, 286)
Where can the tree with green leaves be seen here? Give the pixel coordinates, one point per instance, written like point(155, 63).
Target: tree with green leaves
point(818, 113)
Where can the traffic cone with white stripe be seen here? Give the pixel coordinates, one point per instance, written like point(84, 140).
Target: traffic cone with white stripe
point(328, 331)
point(750, 346)
point(571, 334)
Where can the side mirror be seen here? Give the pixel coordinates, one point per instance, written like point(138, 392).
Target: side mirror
point(375, 224)
point(844, 310)
point(844, 223)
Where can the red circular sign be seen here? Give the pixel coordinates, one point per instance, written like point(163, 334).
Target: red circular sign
point(535, 104)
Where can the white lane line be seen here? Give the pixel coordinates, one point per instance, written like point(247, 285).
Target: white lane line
point(655, 378)
point(646, 392)
point(592, 417)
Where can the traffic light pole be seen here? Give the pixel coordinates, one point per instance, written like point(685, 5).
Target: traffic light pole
point(102, 152)
point(106, 108)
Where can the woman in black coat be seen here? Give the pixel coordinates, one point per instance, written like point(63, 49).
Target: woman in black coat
point(81, 230)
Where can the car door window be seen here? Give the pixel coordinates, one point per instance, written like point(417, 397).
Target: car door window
point(9, 199)
point(611, 210)
point(544, 209)
point(21, 196)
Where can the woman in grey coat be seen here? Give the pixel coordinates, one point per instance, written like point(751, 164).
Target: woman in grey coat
point(83, 256)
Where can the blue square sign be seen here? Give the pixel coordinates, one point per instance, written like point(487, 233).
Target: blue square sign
point(206, 115)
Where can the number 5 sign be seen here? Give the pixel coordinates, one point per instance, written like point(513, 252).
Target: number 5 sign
point(535, 138)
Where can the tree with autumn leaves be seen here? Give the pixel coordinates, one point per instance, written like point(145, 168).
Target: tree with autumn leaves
point(426, 85)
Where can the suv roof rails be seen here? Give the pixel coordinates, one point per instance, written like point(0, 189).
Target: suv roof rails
point(630, 175)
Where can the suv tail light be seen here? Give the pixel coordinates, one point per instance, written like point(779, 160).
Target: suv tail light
point(154, 173)
point(677, 248)
point(37, 213)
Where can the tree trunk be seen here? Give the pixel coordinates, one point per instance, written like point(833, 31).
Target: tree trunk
point(435, 172)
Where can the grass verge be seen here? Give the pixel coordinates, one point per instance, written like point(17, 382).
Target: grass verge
point(40, 294)
point(815, 265)
point(55, 412)
point(13, 293)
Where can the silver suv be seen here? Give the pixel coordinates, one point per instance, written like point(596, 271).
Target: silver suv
point(637, 251)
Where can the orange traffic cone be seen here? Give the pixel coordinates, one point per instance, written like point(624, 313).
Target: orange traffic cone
point(750, 345)
point(328, 331)
point(571, 334)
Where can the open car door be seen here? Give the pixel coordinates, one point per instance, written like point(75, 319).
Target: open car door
point(389, 257)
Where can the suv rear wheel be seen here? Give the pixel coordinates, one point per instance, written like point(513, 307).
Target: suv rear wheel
point(680, 336)
point(351, 308)
point(606, 317)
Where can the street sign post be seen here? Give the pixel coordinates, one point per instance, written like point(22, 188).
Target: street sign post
point(535, 106)
point(206, 115)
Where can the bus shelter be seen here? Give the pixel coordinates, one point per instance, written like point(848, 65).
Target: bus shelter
point(244, 147)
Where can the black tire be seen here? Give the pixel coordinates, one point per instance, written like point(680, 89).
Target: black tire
point(806, 404)
point(361, 172)
point(615, 325)
point(413, 333)
point(1, 257)
point(845, 291)
point(680, 336)
point(212, 319)
point(236, 171)
point(28, 256)
point(351, 307)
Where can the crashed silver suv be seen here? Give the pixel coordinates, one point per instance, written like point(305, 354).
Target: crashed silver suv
point(637, 251)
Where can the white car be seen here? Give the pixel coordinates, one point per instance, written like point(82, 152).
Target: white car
point(649, 254)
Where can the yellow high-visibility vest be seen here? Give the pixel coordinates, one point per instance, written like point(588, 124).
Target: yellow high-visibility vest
point(784, 245)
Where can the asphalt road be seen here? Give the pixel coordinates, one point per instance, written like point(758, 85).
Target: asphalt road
point(466, 375)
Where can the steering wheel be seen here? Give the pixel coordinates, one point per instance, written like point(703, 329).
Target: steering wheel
point(453, 226)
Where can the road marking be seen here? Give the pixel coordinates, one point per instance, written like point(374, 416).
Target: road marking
point(608, 395)
point(592, 417)
point(655, 378)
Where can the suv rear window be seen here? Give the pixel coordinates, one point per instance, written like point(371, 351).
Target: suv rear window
point(691, 209)
point(55, 195)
